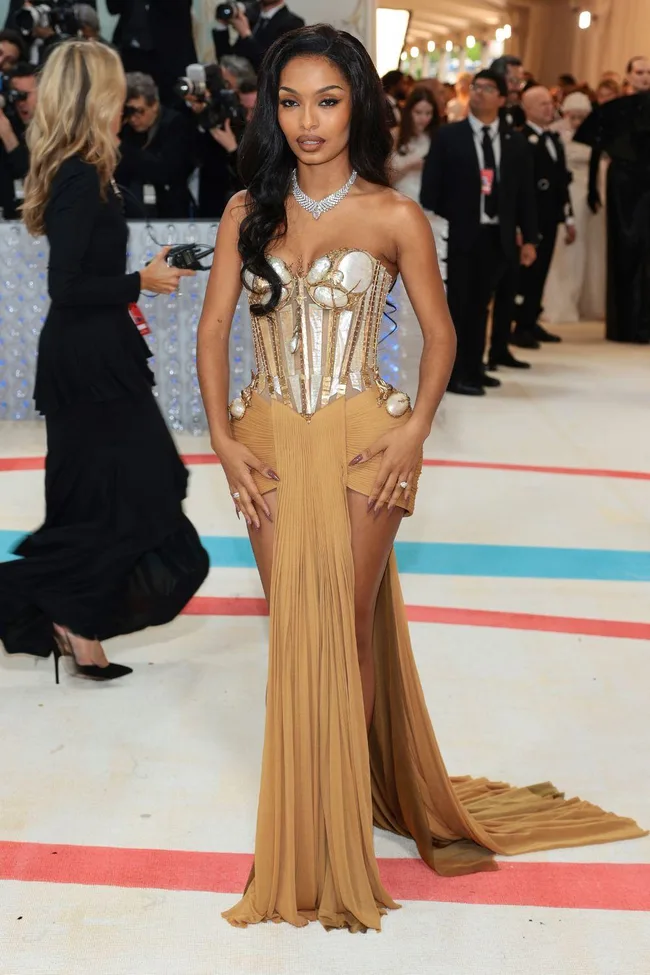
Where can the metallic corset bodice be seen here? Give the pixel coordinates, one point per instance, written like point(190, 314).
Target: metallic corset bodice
point(320, 342)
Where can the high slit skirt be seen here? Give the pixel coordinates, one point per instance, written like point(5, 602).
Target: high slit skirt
point(324, 780)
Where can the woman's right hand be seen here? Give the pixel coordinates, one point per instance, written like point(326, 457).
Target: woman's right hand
point(159, 277)
point(238, 462)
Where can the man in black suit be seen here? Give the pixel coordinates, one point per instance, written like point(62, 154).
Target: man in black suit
point(552, 179)
point(156, 149)
point(511, 69)
point(155, 38)
point(274, 20)
point(479, 177)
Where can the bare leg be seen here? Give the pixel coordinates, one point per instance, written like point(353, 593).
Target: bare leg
point(372, 541)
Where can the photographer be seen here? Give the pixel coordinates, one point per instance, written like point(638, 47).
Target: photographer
point(12, 49)
point(248, 98)
point(220, 121)
point(154, 37)
point(257, 24)
point(18, 110)
point(157, 150)
point(236, 71)
point(43, 26)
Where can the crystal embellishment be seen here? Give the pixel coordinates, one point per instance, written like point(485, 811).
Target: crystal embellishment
point(318, 207)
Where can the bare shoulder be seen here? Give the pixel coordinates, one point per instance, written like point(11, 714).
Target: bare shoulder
point(237, 208)
point(392, 222)
point(405, 218)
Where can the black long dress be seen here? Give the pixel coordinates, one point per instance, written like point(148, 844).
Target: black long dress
point(115, 553)
point(621, 128)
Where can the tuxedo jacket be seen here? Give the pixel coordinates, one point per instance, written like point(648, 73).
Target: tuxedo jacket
point(171, 28)
point(255, 47)
point(552, 178)
point(451, 187)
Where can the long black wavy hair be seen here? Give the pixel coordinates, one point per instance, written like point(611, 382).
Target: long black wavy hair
point(265, 159)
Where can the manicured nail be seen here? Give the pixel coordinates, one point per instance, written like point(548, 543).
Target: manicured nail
point(356, 460)
point(390, 508)
point(371, 501)
point(273, 476)
point(238, 514)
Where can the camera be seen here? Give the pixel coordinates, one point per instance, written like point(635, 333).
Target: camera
point(9, 97)
point(59, 16)
point(208, 86)
point(188, 257)
point(227, 10)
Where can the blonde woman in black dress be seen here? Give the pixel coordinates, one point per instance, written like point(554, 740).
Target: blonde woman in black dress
point(116, 553)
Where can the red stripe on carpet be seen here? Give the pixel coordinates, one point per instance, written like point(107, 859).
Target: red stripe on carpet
point(197, 460)
point(585, 886)
point(22, 463)
point(240, 606)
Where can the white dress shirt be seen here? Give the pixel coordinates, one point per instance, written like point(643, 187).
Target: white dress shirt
point(477, 130)
point(548, 142)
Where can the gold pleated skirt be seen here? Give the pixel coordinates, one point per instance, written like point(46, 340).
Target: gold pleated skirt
point(324, 780)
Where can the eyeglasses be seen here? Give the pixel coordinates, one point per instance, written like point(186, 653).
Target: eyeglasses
point(485, 89)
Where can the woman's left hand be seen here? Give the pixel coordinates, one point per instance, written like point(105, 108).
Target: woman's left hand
point(401, 452)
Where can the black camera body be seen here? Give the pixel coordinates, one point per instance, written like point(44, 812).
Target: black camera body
point(58, 15)
point(207, 85)
point(188, 257)
point(9, 97)
point(226, 11)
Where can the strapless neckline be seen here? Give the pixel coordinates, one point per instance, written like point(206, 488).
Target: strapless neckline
point(336, 252)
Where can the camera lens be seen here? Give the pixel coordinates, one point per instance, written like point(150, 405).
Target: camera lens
point(26, 20)
point(225, 11)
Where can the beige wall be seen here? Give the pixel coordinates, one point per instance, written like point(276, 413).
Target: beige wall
point(550, 42)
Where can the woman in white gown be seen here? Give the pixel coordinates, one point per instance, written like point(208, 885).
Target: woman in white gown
point(420, 120)
point(575, 287)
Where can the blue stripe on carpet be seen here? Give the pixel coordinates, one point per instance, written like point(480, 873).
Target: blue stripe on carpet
point(446, 559)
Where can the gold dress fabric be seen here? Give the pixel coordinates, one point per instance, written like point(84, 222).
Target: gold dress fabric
point(315, 402)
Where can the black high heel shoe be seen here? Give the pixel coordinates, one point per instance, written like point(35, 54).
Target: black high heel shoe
point(63, 648)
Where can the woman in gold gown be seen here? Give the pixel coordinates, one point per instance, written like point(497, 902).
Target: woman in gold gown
point(322, 458)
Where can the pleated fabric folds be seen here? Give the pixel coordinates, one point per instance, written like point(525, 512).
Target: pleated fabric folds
point(324, 780)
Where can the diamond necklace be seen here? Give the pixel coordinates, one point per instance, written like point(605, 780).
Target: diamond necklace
point(317, 207)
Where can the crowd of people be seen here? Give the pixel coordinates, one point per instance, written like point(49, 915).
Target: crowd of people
point(182, 122)
point(536, 232)
point(522, 174)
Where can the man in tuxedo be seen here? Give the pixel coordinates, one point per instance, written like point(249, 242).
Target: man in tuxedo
point(154, 37)
point(479, 177)
point(273, 20)
point(512, 70)
point(552, 179)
